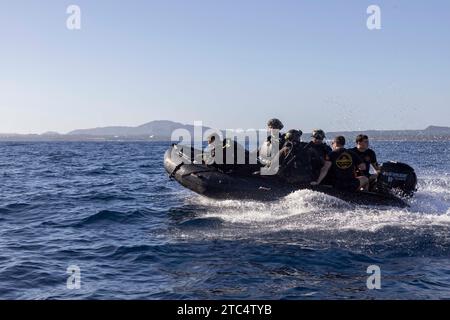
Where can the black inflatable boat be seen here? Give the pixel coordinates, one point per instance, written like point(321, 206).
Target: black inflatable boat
point(396, 178)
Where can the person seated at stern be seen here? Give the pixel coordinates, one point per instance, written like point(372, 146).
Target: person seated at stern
point(368, 156)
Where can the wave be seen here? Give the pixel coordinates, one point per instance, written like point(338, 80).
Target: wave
point(311, 218)
point(108, 197)
point(432, 201)
point(201, 223)
point(15, 207)
point(101, 170)
point(110, 216)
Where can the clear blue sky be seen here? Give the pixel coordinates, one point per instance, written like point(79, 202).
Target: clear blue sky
point(229, 63)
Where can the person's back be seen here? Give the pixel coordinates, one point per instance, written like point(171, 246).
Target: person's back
point(344, 167)
point(321, 153)
point(295, 159)
point(322, 149)
point(343, 164)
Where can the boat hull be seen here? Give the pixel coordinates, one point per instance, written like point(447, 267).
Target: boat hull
point(210, 182)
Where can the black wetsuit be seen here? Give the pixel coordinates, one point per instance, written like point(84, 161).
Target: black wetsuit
point(344, 165)
point(321, 153)
point(368, 157)
point(230, 157)
point(295, 163)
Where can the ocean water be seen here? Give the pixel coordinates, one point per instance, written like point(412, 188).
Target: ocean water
point(110, 210)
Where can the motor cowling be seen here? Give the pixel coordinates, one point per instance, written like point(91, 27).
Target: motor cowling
point(398, 177)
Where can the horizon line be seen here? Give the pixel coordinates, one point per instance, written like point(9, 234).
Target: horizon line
point(203, 125)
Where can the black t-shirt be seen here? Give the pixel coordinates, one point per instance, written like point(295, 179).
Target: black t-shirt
point(319, 153)
point(344, 164)
point(368, 157)
point(322, 149)
point(290, 150)
point(295, 161)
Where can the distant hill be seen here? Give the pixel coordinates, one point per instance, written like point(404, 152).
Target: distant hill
point(430, 133)
point(50, 133)
point(161, 130)
point(437, 130)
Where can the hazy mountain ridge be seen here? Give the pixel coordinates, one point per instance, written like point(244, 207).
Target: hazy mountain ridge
point(429, 133)
point(158, 127)
point(161, 130)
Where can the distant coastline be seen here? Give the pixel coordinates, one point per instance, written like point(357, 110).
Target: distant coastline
point(161, 130)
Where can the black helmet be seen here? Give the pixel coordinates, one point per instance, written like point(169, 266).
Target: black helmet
point(318, 134)
point(293, 135)
point(275, 124)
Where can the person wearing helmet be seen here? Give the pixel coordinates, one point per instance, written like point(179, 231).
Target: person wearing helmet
point(275, 124)
point(295, 159)
point(267, 150)
point(293, 136)
point(317, 142)
point(322, 150)
point(292, 143)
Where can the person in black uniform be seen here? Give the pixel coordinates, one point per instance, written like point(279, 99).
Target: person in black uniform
point(368, 156)
point(344, 164)
point(226, 155)
point(322, 151)
point(295, 159)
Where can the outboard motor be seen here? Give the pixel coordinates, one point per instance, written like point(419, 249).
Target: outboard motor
point(398, 177)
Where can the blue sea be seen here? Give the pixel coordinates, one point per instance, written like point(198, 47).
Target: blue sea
point(110, 209)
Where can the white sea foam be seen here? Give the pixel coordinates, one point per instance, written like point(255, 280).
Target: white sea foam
point(306, 210)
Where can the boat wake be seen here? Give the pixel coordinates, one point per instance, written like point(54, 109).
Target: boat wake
point(318, 219)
